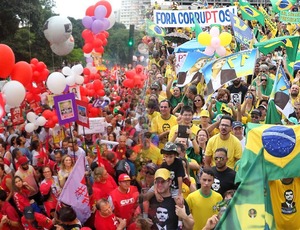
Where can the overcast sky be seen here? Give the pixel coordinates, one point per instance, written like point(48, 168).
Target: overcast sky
point(77, 8)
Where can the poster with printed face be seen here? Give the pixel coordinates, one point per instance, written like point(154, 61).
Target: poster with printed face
point(75, 89)
point(236, 98)
point(82, 109)
point(65, 107)
point(17, 116)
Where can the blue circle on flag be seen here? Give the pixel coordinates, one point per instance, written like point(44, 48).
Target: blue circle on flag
point(279, 141)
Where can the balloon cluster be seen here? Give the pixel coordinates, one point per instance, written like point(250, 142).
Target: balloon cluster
point(51, 118)
point(34, 122)
point(98, 19)
point(214, 41)
point(58, 31)
point(73, 74)
point(135, 77)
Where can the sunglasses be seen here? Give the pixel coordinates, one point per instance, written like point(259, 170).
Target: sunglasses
point(255, 117)
point(219, 158)
point(197, 100)
point(154, 89)
point(263, 79)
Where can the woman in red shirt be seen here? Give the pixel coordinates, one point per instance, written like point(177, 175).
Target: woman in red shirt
point(6, 182)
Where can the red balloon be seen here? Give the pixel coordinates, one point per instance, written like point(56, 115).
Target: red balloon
point(139, 68)
point(22, 73)
point(128, 83)
point(101, 36)
point(99, 49)
point(97, 42)
point(104, 42)
point(34, 61)
point(100, 92)
point(87, 35)
point(106, 34)
point(130, 74)
point(55, 119)
point(43, 76)
point(87, 48)
point(40, 66)
point(107, 5)
point(90, 11)
point(7, 61)
point(85, 99)
point(86, 71)
point(47, 114)
point(29, 97)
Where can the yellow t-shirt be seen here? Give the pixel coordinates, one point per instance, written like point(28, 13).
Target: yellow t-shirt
point(153, 154)
point(160, 125)
point(232, 144)
point(186, 189)
point(202, 207)
point(286, 213)
point(194, 130)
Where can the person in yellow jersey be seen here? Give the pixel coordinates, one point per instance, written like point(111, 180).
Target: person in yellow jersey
point(225, 139)
point(186, 115)
point(202, 202)
point(286, 202)
point(162, 123)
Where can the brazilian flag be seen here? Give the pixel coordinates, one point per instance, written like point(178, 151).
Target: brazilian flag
point(281, 150)
point(250, 207)
point(280, 5)
point(290, 43)
point(251, 13)
point(154, 30)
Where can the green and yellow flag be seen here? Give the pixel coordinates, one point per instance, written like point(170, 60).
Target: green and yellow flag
point(281, 150)
point(290, 43)
point(280, 5)
point(154, 30)
point(251, 13)
point(249, 208)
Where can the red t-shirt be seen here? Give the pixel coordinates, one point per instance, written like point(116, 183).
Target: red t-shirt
point(50, 205)
point(105, 223)
point(42, 220)
point(8, 210)
point(125, 203)
point(3, 183)
point(21, 199)
point(106, 187)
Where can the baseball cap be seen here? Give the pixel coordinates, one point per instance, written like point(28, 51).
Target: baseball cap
point(155, 85)
point(237, 124)
point(152, 167)
point(262, 106)
point(227, 110)
point(293, 120)
point(23, 160)
point(124, 177)
point(28, 212)
point(169, 148)
point(162, 173)
point(256, 111)
point(45, 188)
point(204, 113)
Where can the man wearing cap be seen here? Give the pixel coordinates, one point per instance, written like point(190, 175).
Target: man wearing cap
point(28, 174)
point(255, 116)
point(33, 220)
point(165, 214)
point(123, 199)
point(156, 89)
point(238, 132)
point(263, 111)
point(224, 140)
point(162, 123)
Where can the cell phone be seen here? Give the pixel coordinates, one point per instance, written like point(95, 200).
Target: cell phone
point(182, 131)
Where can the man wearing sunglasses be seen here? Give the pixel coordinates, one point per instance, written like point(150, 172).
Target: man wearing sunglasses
point(224, 176)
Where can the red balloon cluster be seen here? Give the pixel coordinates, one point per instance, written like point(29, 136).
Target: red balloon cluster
point(51, 118)
point(40, 70)
point(88, 76)
point(93, 111)
point(96, 39)
point(135, 77)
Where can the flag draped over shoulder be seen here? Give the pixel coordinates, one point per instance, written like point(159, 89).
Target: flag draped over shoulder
point(225, 69)
point(251, 13)
point(248, 209)
point(75, 192)
point(154, 30)
point(279, 98)
point(280, 5)
point(290, 43)
point(281, 149)
point(242, 33)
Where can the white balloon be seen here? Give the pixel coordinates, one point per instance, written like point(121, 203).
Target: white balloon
point(7, 108)
point(63, 48)
point(56, 82)
point(31, 116)
point(57, 29)
point(14, 93)
point(79, 79)
point(77, 69)
point(134, 58)
point(66, 71)
point(112, 20)
point(29, 127)
point(70, 80)
point(40, 121)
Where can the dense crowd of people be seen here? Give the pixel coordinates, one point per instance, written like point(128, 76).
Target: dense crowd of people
point(169, 156)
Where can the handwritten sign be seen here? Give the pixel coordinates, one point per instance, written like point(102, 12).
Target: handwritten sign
point(97, 125)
